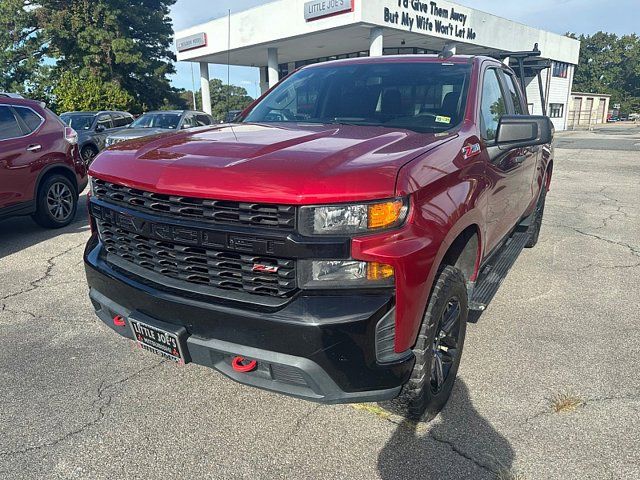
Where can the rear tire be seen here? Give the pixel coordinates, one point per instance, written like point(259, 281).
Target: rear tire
point(438, 349)
point(536, 225)
point(57, 202)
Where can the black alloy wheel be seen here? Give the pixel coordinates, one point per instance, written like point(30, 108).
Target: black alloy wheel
point(445, 345)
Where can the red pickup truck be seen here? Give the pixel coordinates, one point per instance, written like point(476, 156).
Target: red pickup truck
point(332, 243)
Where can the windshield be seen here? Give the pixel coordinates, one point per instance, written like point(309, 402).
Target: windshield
point(78, 122)
point(168, 121)
point(425, 97)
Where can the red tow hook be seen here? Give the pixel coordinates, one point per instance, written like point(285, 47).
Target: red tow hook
point(119, 321)
point(243, 365)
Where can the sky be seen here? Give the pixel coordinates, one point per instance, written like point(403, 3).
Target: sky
point(559, 16)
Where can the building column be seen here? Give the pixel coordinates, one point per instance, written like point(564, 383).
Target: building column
point(204, 87)
point(264, 81)
point(272, 66)
point(377, 42)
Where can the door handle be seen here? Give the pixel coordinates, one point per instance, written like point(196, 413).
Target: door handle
point(34, 148)
point(519, 159)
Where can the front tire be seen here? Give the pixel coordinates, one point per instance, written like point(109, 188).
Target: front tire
point(57, 202)
point(88, 153)
point(438, 349)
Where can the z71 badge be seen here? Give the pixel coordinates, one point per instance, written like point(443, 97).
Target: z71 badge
point(469, 151)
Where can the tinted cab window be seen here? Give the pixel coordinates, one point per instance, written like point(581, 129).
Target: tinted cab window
point(514, 92)
point(493, 104)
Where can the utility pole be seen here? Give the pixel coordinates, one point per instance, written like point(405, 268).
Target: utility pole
point(193, 88)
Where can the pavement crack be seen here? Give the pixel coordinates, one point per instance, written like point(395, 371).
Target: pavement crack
point(633, 249)
point(103, 398)
point(297, 426)
point(37, 283)
point(457, 450)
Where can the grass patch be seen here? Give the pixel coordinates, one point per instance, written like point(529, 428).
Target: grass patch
point(565, 402)
point(372, 408)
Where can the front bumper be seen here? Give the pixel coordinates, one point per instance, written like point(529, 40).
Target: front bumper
point(317, 347)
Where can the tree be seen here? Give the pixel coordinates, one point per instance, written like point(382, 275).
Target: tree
point(225, 98)
point(21, 45)
point(610, 64)
point(122, 42)
point(74, 92)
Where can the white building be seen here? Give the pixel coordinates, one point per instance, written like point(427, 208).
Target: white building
point(283, 35)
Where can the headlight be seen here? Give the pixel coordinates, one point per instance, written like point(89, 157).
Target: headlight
point(344, 274)
point(349, 219)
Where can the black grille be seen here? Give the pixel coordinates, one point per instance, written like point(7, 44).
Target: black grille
point(199, 265)
point(212, 211)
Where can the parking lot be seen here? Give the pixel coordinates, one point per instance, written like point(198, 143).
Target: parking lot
point(77, 401)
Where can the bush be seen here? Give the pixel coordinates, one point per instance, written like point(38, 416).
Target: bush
point(75, 93)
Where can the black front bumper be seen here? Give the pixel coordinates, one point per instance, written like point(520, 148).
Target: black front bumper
point(317, 347)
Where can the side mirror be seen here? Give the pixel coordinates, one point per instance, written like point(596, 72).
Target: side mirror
point(524, 131)
point(100, 128)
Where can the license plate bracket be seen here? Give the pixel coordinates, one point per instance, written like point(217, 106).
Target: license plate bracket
point(161, 338)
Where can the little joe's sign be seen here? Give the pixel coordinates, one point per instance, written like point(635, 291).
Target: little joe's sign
point(323, 8)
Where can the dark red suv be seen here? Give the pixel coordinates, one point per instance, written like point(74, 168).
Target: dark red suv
point(41, 173)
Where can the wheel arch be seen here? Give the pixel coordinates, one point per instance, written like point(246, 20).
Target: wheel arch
point(53, 170)
point(464, 253)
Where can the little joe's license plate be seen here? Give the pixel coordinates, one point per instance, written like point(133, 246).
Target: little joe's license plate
point(155, 340)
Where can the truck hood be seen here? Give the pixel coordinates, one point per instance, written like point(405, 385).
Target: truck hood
point(275, 163)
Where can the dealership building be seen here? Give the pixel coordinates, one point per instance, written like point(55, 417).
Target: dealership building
point(283, 35)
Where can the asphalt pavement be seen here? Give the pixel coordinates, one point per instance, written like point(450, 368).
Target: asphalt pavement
point(79, 402)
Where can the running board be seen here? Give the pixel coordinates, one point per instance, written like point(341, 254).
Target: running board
point(495, 271)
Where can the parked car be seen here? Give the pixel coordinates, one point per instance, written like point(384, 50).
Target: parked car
point(41, 172)
point(153, 123)
point(231, 116)
point(331, 245)
point(93, 129)
point(10, 95)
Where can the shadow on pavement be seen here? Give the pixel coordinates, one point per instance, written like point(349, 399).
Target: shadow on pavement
point(481, 452)
point(22, 232)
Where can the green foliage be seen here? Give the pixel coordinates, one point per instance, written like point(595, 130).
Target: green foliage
point(122, 41)
point(74, 92)
point(21, 45)
point(610, 64)
point(225, 98)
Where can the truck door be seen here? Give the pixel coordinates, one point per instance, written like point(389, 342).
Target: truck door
point(504, 168)
point(529, 157)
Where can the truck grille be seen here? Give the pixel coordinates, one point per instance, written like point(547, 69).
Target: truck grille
point(200, 265)
point(200, 209)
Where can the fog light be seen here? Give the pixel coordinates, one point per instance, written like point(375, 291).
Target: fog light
point(344, 274)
